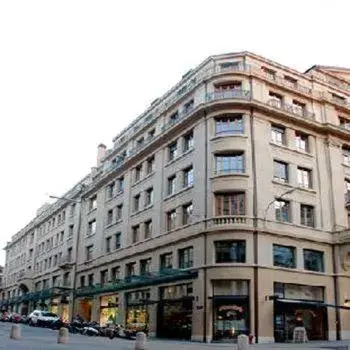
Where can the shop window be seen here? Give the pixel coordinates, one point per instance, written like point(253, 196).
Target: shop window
point(186, 258)
point(109, 310)
point(313, 260)
point(230, 252)
point(284, 256)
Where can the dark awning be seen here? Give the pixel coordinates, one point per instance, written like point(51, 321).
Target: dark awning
point(310, 303)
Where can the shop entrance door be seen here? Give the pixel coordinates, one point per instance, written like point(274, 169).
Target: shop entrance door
point(175, 319)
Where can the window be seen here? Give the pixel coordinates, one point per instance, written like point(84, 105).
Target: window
point(89, 250)
point(186, 258)
point(187, 211)
point(171, 185)
point(280, 171)
point(284, 256)
point(110, 217)
point(307, 215)
point(69, 254)
point(230, 163)
point(226, 87)
point(282, 210)
point(166, 261)
point(151, 134)
point(346, 155)
point(121, 184)
point(137, 173)
point(174, 117)
point(276, 100)
point(344, 123)
point(149, 196)
point(230, 204)
point(148, 229)
point(103, 277)
point(188, 141)
point(92, 227)
point(61, 236)
point(93, 203)
point(313, 260)
point(119, 213)
point(117, 243)
point(302, 141)
point(188, 178)
point(229, 125)
point(70, 230)
point(82, 281)
point(270, 73)
point(130, 269)
point(278, 135)
point(115, 273)
point(188, 106)
point(110, 190)
point(90, 279)
point(290, 81)
point(137, 202)
point(304, 178)
point(72, 209)
point(299, 108)
point(140, 142)
point(145, 266)
point(171, 219)
point(135, 233)
point(172, 151)
point(108, 244)
point(150, 165)
point(230, 251)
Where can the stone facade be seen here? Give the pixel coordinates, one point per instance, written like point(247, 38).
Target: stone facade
point(224, 203)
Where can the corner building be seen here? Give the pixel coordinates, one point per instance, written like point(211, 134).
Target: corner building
point(221, 210)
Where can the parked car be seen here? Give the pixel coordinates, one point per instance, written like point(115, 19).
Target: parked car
point(42, 318)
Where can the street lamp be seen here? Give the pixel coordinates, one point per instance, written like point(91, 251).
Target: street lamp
point(273, 201)
point(79, 202)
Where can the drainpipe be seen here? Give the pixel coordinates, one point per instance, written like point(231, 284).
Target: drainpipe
point(205, 219)
point(255, 217)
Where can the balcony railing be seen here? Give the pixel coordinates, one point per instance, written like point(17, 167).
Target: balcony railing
point(228, 220)
point(233, 171)
point(65, 261)
point(230, 94)
point(293, 109)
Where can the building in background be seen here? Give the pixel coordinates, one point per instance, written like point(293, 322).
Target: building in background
point(223, 209)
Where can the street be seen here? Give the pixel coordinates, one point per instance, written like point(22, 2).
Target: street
point(46, 339)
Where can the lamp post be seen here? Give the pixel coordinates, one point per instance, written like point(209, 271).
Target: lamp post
point(79, 202)
point(273, 201)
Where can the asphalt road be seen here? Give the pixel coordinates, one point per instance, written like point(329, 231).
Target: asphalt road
point(46, 339)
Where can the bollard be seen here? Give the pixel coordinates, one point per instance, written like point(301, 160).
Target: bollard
point(243, 342)
point(15, 332)
point(62, 336)
point(141, 341)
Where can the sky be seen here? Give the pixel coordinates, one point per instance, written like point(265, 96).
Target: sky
point(75, 73)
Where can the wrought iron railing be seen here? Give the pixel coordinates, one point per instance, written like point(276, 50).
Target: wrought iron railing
point(230, 94)
point(290, 108)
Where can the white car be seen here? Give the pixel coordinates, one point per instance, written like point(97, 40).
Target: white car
point(42, 318)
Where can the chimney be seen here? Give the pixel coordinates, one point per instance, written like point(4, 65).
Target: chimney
point(101, 152)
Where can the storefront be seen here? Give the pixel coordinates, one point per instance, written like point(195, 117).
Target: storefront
point(85, 309)
point(109, 310)
point(54, 305)
point(175, 312)
point(230, 309)
point(137, 309)
point(299, 305)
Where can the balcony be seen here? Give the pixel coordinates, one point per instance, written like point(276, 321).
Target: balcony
point(230, 94)
point(228, 220)
point(293, 109)
point(65, 262)
point(347, 200)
